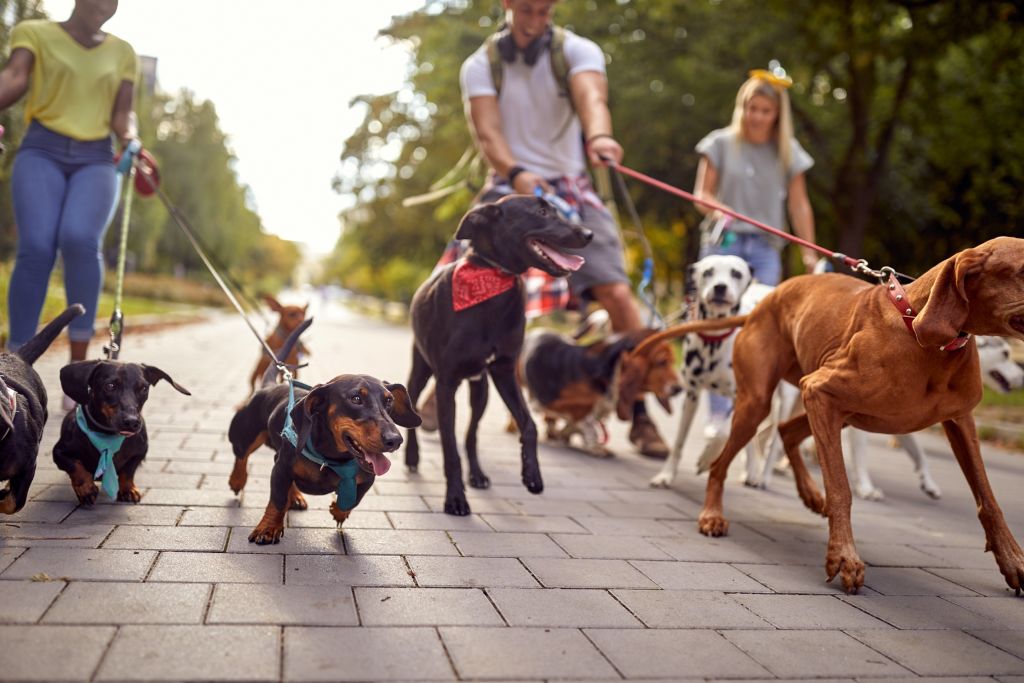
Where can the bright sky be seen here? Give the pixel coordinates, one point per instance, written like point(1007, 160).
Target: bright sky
point(277, 70)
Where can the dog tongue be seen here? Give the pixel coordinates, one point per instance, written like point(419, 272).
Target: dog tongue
point(568, 261)
point(380, 463)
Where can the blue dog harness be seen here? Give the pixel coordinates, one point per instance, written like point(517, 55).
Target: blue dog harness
point(108, 445)
point(346, 471)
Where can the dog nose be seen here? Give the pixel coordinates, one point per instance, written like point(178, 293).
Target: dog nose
point(587, 234)
point(391, 441)
point(719, 289)
point(132, 424)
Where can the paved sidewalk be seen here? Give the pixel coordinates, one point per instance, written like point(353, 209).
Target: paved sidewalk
point(599, 578)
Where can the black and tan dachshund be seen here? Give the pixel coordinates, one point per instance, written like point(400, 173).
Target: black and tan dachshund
point(23, 412)
point(342, 429)
point(106, 430)
point(469, 318)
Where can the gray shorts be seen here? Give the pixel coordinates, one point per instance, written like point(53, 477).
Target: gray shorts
point(605, 261)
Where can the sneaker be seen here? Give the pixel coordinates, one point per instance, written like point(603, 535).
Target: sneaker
point(645, 437)
point(428, 413)
point(68, 403)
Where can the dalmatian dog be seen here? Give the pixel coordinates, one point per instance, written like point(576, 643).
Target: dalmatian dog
point(725, 287)
point(998, 372)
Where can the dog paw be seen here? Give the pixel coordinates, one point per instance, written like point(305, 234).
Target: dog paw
point(712, 524)
point(8, 505)
point(846, 563)
point(931, 489)
point(456, 505)
point(870, 493)
point(237, 480)
point(479, 481)
point(265, 534)
point(753, 483)
point(129, 495)
point(599, 452)
point(338, 514)
point(532, 479)
point(660, 481)
point(87, 493)
point(296, 501)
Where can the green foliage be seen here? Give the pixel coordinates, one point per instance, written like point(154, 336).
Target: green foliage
point(911, 110)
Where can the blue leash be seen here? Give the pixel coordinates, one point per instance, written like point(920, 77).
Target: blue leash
point(346, 471)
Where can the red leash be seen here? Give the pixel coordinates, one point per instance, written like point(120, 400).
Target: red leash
point(665, 187)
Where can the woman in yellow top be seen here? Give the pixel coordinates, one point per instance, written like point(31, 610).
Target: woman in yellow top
point(80, 83)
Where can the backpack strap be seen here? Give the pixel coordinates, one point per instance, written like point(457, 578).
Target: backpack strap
point(494, 59)
point(560, 65)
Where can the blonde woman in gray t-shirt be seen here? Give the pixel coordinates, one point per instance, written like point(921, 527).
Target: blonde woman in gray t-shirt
point(754, 167)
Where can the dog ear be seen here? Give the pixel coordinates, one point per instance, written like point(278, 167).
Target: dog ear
point(154, 374)
point(273, 303)
point(631, 381)
point(302, 413)
point(483, 215)
point(74, 379)
point(943, 317)
point(401, 410)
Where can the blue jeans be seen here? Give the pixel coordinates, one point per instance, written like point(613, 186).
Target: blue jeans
point(766, 262)
point(64, 196)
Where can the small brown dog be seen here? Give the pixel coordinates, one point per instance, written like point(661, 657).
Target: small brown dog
point(290, 318)
point(582, 384)
point(881, 359)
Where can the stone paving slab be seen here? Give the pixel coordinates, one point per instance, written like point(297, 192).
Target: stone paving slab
point(599, 578)
point(193, 653)
point(52, 653)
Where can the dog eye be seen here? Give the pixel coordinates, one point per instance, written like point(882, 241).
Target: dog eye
point(389, 401)
point(737, 275)
point(110, 386)
point(356, 399)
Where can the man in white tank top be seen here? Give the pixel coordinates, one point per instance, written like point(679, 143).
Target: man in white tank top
point(532, 135)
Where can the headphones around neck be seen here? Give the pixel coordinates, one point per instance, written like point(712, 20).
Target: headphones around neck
point(508, 49)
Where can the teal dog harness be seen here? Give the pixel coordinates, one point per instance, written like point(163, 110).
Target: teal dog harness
point(346, 471)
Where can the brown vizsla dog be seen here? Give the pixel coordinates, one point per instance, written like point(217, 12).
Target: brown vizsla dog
point(290, 318)
point(847, 347)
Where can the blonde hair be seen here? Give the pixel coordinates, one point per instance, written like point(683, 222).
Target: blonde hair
point(783, 123)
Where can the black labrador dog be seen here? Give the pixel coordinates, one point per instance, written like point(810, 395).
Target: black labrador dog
point(470, 318)
point(106, 430)
point(23, 412)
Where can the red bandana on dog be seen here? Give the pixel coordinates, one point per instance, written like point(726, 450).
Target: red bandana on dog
point(473, 284)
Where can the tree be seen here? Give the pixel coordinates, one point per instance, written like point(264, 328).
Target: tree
point(887, 96)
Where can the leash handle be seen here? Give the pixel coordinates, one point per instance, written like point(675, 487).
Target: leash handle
point(128, 156)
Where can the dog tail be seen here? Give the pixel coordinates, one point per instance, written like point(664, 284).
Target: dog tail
point(37, 345)
point(270, 376)
point(686, 328)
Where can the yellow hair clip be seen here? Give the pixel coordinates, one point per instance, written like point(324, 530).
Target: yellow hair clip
point(770, 78)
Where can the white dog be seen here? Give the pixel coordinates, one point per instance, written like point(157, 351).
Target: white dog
point(724, 288)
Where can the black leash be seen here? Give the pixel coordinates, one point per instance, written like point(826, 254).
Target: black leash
point(190, 235)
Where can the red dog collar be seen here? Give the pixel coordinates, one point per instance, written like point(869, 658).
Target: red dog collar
point(898, 297)
point(711, 338)
point(473, 284)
